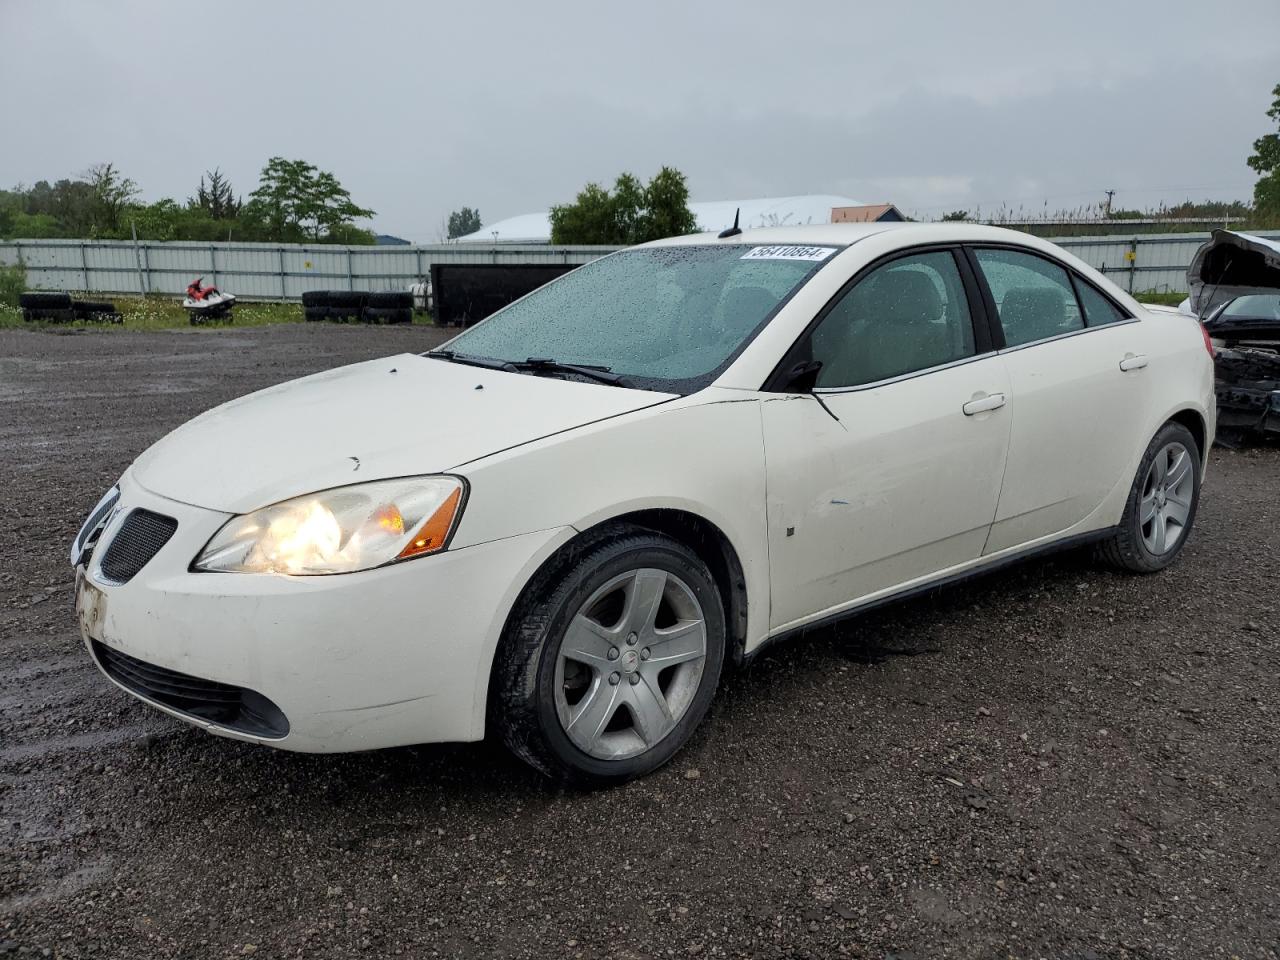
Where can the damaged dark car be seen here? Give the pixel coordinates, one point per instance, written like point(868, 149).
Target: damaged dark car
point(1235, 289)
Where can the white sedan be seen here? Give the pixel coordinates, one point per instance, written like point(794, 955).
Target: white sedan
point(564, 525)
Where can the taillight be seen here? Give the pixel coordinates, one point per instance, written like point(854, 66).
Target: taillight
point(1208, 341)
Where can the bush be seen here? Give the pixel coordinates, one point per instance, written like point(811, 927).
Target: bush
point(13, 281)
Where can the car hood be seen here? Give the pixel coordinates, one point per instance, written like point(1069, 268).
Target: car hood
point(1230, 265)
point(395, 417)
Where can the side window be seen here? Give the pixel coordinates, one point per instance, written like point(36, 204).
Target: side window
point(1097, 308)
point(1034, 297)
point(908, 315)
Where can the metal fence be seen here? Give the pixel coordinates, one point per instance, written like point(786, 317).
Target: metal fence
point(1142, 262)
point(264, 271)
point(257, 271)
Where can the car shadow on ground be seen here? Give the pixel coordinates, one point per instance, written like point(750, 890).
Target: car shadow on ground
point(359, 789)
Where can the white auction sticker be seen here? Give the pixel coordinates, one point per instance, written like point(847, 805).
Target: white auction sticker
point(788, 253)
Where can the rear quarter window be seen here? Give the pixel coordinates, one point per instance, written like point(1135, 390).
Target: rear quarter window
point(1098, 310)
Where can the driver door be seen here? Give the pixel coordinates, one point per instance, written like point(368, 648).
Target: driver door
point(895, 475)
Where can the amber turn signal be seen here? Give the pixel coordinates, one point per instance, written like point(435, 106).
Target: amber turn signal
point(433, 534)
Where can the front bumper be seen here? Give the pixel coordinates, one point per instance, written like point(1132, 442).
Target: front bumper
point(355, 661)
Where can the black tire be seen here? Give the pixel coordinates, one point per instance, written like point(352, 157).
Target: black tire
point(391, 299)
point(388, 315)
point(315, 298)
point(1126, 549)
point(207, 319)
point(315, 314)
point(346, 306)
point(351, 300)
point(44, 300)
point(522, 694)
point(87, 308)
point(49, 315)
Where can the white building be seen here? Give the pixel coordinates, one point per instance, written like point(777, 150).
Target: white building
point(711, 216)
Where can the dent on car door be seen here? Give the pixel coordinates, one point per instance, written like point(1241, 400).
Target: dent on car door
point(890, 478)
point(1078, 376)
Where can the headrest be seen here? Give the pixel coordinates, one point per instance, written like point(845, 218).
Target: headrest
point(744, 307)
point(1042, 306)
point(908, 297)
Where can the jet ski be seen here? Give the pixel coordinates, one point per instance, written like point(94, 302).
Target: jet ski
point(207, 303)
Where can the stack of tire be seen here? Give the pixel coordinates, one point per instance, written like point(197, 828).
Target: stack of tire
point(315, 305)
point(96, 311)
point(60, 308)
point(391, 306)
point(350, 306)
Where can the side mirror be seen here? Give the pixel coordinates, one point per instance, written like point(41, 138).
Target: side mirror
point(803, 376)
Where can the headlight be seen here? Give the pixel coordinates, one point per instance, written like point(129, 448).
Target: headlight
point(341, 530)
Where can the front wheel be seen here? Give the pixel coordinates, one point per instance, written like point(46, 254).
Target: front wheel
point(1162, 503)
point(612, 661)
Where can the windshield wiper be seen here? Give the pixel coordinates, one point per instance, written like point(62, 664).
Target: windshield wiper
point(533, 365)
point(489, 363)
point(589, 370)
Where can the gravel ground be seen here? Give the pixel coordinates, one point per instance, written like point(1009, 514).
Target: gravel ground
point(1052, 761)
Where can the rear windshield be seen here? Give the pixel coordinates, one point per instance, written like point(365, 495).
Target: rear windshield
point(666, 318)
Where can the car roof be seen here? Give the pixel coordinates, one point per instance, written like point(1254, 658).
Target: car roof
point(843, 234)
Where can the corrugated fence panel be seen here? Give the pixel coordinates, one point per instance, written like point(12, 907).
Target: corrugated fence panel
point(1159, 261)
point(256, 271)
point(264, 271)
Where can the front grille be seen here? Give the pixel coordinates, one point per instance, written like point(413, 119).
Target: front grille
point(222, 703)
point(140, 537)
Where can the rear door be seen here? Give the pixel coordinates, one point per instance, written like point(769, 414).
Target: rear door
point(892, 474)
point(1079, 393)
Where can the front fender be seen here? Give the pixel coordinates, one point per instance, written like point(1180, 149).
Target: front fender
point(703, 455)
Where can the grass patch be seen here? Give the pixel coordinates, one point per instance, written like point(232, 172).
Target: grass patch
point(13, 280)
point(166, 313)
point(1163, 298)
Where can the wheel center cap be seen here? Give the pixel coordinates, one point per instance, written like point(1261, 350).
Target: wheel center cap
point(1160, 499)
point(630, 661)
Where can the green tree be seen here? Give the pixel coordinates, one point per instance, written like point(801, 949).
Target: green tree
point(955, 215)
point(218, 200)
point(36, 226)
point(157, 221)
point(462, 222)
point(632, 213)
point(589, 219)
point(295, 201)
point(112, 194)
point(67, 204)
point(666, 203)
point(11, 207)
point(1266, 161)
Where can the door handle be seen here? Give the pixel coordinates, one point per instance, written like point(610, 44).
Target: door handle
point(992, 401)
point(1131, 362)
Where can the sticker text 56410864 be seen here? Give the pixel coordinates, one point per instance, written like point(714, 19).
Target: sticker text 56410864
point(788, 252)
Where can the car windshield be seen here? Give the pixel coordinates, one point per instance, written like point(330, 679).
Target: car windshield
point(1255, 306)
point(665, 318)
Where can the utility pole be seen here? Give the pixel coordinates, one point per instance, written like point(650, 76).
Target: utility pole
point(1106, 207)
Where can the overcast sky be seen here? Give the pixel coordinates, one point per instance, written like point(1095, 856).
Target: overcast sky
point(420, 108)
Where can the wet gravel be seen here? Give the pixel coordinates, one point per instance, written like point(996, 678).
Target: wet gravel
point(1052, 761)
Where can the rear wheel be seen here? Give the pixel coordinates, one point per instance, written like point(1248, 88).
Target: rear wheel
point(1162, 504)
point(612, 661)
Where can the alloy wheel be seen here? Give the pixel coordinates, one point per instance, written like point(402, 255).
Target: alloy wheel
point(630, 663)
point(1166, 498)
